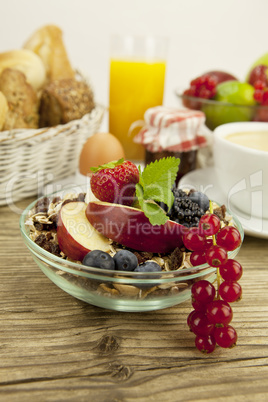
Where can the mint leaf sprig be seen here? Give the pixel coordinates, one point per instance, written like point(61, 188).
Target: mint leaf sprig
point(155, 184)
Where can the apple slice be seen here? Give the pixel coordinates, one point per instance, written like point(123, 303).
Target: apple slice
point(76, 236)
point(130, 227)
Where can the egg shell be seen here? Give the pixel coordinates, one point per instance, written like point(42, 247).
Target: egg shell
point(99, 149)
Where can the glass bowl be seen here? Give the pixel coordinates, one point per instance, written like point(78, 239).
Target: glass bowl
point(118, 290)
point(218, 113)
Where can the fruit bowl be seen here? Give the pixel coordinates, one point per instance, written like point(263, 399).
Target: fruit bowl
point(218, 113)
point(117, 290)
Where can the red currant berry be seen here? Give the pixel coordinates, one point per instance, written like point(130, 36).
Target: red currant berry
point(209, 224)
point(230, 291)
point(258, 95)
point(205, 85)
point(206, 344)
point(189, 319)
point(231, 270)
point(229, 238)
point(203, 291)
point(225, 337)
point(265, 97)
point(259, 84)
point(198, 258)
point(199, 306)
point(193, 241)
point(219, 312)
point(200, 325)
point(208, 243)
point(216, 256)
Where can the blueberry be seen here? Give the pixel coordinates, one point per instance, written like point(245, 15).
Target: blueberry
point(148, 266)
point(125, 260)
point(200, 199)
point(99, 259)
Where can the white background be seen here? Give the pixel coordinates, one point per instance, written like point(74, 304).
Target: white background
point(203, 34)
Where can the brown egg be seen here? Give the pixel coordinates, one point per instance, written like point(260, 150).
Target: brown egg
point(99, 149)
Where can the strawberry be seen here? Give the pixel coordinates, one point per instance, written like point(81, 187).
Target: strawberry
point(115, 182)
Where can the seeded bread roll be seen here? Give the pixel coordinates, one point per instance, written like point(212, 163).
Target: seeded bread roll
point(48, 44)
point(21, 98)
point(28, 63)
point(3, 109)
point(63, 101)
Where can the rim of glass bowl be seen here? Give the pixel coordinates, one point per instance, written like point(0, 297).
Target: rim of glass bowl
point(117, 276)
point(217, 103)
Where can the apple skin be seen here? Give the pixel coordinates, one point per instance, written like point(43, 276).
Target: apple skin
point(76, 236)
point(259, 73)
point(263, 60)
point(130, 227)
point(221, 76)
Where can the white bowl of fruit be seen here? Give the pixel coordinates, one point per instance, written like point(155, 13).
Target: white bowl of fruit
point(225, 99)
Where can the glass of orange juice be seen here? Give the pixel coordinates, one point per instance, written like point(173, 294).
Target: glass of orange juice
point(137, 78)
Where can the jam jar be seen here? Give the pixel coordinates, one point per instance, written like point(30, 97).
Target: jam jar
point(172, 132)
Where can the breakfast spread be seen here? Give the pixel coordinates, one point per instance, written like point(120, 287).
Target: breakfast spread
point(132, 230)
point(40, 86)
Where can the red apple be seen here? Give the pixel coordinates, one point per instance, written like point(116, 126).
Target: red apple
point(76, 236)
point(130, 227)
point(221, 76)
point(259, 73)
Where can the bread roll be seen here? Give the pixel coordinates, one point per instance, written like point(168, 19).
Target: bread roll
point(47, 43)
point(63, 101)
point(22, 100)
point(3, 109)
point(28, 63)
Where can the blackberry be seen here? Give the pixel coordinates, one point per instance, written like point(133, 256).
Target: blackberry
point(200, 198)
point(177, 194)
point(184, 211)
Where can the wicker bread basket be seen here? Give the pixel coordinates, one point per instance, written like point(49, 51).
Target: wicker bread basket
point(32, 158)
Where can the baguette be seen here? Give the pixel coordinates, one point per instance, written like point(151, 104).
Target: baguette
point(48, 44)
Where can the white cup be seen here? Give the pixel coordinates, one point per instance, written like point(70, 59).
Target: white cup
point(241, 171)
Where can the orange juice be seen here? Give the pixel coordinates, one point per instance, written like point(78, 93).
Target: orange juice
point(135, 86)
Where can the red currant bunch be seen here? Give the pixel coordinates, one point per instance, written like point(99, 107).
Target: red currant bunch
point(212, 314)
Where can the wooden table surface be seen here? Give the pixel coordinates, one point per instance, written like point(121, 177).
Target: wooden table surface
point(56, 348)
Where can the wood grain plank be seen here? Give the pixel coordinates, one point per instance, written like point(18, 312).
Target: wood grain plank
point(56, 348)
